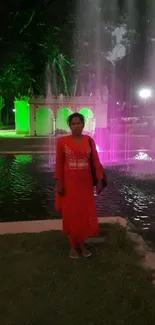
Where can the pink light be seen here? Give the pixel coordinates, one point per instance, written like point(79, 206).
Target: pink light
point(97, 148)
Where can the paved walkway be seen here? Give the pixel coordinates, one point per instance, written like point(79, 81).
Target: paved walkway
point(47, 225)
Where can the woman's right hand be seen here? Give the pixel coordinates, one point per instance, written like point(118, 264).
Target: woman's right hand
point(60, 187)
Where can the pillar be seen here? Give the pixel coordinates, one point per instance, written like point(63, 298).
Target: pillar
point(31, 119)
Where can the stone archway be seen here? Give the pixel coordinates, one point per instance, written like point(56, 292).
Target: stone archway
point(61, 120)
point(44, 122)
point(89, 120)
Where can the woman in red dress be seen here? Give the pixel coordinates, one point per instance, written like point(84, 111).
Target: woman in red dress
point(74, 186)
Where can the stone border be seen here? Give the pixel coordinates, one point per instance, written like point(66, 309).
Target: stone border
point(47, 225)
point(26, 152)
point(145, 252)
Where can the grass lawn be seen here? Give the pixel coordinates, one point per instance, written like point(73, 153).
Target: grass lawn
point(40, 285)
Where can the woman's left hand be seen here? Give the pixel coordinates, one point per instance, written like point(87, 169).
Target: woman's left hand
point(99, 187)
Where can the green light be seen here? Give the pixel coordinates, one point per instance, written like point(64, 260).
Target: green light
point(44, 121)
point(89, 119)
point(86, 112)
point(17, 172)
point(22, 117)
point(61, 120)
point(10, 134)
point(23, 159)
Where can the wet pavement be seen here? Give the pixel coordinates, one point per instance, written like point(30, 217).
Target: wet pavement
point(27, 191)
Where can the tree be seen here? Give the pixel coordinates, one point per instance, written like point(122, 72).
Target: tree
point(2, 104)
point(60, 64)
point(15, 76)
point(81, 45)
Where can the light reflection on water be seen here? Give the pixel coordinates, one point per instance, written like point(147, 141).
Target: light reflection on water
point(27, 191)
point(137, 191)
point(136, 197)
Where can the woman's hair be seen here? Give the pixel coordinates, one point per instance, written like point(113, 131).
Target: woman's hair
point(75, 115)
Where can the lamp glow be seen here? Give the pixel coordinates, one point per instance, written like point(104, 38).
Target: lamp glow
point(145, 93)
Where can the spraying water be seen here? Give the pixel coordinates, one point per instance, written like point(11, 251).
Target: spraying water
point(91, 59)
point(88, 58)
point(51, 119)
point(100, 42)
point(48, 80)
point(104, 39)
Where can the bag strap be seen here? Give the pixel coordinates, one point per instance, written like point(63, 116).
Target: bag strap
point(90, 143)
point(91, 152)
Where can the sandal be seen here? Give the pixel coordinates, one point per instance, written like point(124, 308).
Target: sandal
point(85, 252)
point(74, 253)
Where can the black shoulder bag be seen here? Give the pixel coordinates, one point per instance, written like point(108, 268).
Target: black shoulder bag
point(93, 171)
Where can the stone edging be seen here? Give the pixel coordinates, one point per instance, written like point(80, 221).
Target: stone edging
point(147, 255)
point(47, 225)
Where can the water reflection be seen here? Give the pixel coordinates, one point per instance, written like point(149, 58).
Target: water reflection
point(21, 182)
point(137, 191)
point(27, 191)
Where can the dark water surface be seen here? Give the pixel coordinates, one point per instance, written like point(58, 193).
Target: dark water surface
point(27, 191)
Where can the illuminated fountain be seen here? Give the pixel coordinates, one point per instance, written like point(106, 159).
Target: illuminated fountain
point(49, 123)
point(142, 156)
point(126, 194)
point(114, 136)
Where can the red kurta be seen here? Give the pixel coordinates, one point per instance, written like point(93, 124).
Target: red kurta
point(77, 206)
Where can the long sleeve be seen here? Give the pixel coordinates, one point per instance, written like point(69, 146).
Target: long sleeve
point(60, 159)
point(97, 164)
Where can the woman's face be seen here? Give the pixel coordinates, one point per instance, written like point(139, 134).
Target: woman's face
point(76, 126)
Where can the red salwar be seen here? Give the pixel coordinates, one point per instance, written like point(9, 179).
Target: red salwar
point(77, 206)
